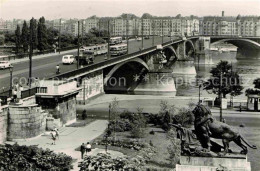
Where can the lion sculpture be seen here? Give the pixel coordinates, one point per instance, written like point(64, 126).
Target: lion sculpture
point(206, 126)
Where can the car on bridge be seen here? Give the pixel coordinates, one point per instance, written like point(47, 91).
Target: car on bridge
point(139, 39)
point(5, 64)
point(68, 59)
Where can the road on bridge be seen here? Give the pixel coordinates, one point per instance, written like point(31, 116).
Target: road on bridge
point(45, 67)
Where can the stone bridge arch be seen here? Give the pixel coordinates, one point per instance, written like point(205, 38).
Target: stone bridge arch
point(189, 48)
point(240, 43)
point(170, 53)
point(116, 67)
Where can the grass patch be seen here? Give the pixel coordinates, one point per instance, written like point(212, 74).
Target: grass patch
point(160, 160)
point(81, 123)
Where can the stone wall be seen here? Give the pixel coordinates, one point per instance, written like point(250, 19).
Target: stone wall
point(65, 110)
point(3, 123)
point(25, 122)
point(92, 85)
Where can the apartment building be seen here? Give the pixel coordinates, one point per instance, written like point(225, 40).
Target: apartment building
point(232, 26)
point(146, 25)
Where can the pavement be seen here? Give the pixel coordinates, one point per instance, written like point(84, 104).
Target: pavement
point(43, 66)
point(41, 56)
point(71, 138)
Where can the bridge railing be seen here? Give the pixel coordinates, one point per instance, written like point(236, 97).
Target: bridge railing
point(111, 61)
point(101, 64)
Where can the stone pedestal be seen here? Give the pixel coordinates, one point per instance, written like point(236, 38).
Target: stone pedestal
point(229, 162)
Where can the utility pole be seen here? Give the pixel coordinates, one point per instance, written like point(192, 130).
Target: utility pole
point(127, 35)
point(220, 96)
point(78, 47)
point(30, 55)
point(142, 27)
point(108, 40)
point(59, 34)
point(162, 31)
point(82, 33)
point(153, 31)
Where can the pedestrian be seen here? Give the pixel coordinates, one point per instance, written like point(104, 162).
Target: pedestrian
point(82, 150)
point(53, 137)
point(88, 148)
point(57, 132)
point(57, 69)
point(240, 107)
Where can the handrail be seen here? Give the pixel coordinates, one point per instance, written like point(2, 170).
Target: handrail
point(112, 61)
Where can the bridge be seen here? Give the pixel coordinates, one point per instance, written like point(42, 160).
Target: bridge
point(246, 46)
point(98, 76)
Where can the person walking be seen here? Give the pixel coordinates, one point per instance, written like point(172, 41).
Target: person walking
point(53, 137)
point(88, 148)
point(82, 150)
point(57, 69)
point(57, 132)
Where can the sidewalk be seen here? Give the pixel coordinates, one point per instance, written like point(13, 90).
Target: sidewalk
point(41, 56)
point(70, 138)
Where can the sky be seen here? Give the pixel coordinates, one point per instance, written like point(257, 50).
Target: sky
point(54, 9)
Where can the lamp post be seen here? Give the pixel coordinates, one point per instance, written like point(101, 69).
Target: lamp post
point(11, 80)
point(199, 93)
point(108, 129)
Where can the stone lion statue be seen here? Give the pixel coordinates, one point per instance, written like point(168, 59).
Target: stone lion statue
point(206, 126)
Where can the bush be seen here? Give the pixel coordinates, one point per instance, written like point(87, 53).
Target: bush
point(120, 125)
point(106, 162)
point(152, 132)
point(130, 144)
point(32, 158)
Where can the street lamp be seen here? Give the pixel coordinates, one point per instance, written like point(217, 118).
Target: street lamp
point(11, 80)
point(108, 129)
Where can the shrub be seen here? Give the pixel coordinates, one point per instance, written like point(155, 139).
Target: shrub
point(152, 132)
point(106, 162)
point(184, 117)
point(31, 158)
point(120, 125)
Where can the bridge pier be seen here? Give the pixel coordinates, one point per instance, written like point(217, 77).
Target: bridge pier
point(92, 86)
point(181, 51)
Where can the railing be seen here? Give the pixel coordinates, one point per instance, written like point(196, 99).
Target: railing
point(28, 93)
point(111, 61)
point(97, 66)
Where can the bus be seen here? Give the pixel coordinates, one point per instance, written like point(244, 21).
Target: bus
point(120, 49)
point(115, 40)
point(98, 49)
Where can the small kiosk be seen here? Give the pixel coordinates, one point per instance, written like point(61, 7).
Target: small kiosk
point(253, 101)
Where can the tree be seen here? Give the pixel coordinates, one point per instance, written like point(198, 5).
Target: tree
point(17, 39)
point(223, 80)
point(2, 39)
point(9, 38)
point(33, 33)
point(42, 35)
point(256, 89)
point(25, 37)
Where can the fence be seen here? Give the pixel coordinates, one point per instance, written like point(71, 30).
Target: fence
point(28, 93)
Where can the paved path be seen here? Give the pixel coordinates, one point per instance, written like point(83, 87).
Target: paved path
point(70, 138)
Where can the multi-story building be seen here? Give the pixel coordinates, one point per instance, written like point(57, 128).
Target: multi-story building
point(91, 22)
point(233, 26)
